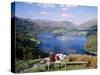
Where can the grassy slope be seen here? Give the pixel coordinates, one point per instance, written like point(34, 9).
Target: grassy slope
point(91, 45)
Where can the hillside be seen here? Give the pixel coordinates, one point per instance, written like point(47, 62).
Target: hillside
point(61, 27)
point(27, 25)
point(90, 25)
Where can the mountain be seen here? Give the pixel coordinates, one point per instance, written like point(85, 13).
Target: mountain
point(22, 25)
point(57, 28)
point(90, 25)
point(28, 25)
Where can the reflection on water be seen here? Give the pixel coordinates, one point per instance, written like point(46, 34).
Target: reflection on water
point(67, 44)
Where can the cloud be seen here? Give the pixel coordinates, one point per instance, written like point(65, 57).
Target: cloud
point(45, 5)
point(69, 6)
point(44, 13)
point(28, 2)
point(64, 9)
point(65, 15)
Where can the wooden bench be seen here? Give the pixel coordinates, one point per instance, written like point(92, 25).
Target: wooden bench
point(52, 65)
point(67, 63)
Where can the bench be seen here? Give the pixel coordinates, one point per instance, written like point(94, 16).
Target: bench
point(67, 63)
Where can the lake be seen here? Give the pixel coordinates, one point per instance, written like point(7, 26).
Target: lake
point(67, 44)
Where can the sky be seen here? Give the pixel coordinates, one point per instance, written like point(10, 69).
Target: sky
point(55, 12)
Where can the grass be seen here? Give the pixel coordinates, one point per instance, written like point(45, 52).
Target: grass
point(28, 65)
point(21, 65)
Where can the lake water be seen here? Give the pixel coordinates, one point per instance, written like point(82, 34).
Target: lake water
point(67, 44)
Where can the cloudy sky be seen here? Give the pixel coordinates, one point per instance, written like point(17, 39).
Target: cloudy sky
point(56, 12)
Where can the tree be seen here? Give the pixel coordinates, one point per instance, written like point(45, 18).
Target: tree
point(91, 44)
point(27, 46)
